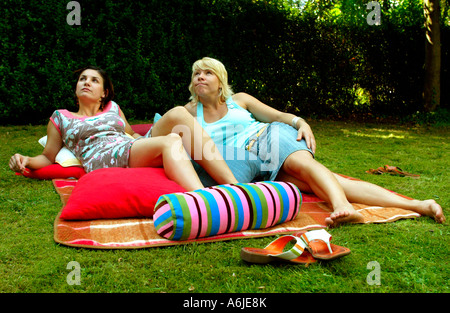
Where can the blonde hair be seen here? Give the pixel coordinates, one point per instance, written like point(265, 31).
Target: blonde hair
point(219, 70)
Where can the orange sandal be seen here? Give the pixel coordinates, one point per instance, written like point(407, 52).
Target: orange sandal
point(318, 244)
point(394, 170)
point(274, 252)
point(377, 171)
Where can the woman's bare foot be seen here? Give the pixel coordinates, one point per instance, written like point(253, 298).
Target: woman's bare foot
point(432, 209)
point(344, 215)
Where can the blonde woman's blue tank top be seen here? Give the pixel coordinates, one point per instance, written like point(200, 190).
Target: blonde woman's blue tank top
point(234, 129)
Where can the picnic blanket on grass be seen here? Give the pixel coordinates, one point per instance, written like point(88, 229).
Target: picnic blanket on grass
point(134, 233)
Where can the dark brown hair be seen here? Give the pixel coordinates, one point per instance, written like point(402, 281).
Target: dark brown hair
point(107, 84)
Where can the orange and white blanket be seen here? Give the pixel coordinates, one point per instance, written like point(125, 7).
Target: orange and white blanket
point(133, 233)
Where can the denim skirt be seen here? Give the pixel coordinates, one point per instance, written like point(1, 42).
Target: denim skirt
point(245, 166)
point(265, 156)
point(273, 146)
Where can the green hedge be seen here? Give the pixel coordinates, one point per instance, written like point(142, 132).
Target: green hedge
point(295, 62)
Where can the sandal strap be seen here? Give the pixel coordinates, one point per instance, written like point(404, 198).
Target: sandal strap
point(320, 234)
point(292, 253)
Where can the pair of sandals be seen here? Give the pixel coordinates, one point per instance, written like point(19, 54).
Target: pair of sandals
point(308, 248)
point(392, 170)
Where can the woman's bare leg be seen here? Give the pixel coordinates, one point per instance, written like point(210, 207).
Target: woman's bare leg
point(197, 142)
point(354, 191)
point(364, 192)
point(309, 175)
point(166, 151)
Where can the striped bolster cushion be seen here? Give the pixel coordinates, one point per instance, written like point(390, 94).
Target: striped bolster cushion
point(225, 208)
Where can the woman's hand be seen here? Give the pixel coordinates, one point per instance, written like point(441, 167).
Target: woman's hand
point(305, 131)
point(18, 163)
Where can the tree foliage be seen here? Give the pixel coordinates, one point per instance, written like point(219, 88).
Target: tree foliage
point(315, 58)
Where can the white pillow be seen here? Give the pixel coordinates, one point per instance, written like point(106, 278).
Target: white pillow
point(64, 157)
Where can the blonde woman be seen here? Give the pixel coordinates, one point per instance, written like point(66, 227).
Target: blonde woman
point(285, 144)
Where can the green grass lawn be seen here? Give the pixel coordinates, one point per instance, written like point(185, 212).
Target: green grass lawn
point(413, 255)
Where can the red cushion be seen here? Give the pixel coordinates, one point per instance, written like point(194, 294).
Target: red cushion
point(141, 129)
point(118, 193)
point(55, 171)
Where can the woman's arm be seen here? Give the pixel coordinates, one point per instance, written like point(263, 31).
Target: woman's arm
point(267, 114)
point(19, 163)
